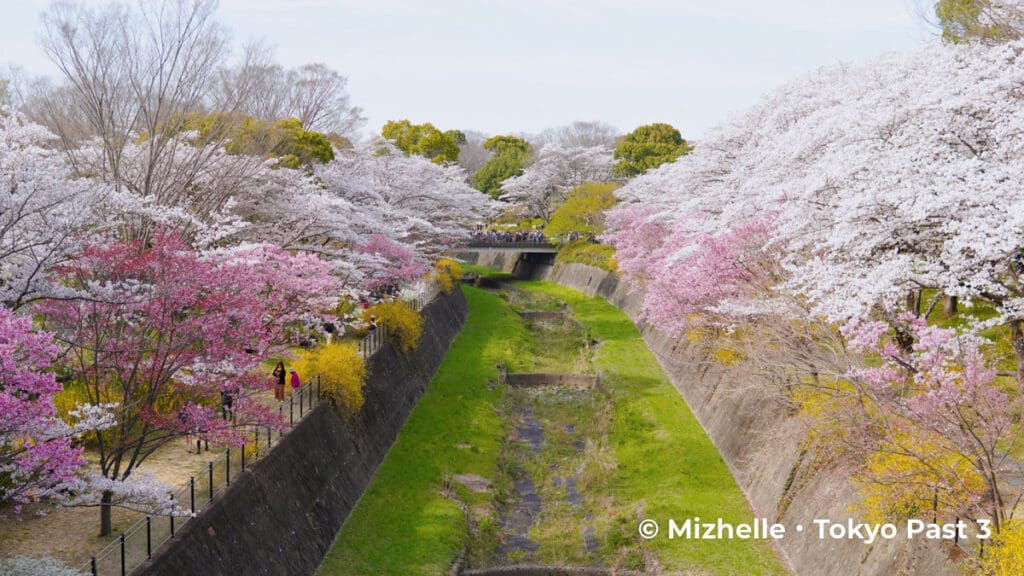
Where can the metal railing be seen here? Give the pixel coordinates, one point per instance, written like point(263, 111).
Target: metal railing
point(137, 544)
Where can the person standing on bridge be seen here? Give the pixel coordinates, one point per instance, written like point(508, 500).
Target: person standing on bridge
point(296, 383)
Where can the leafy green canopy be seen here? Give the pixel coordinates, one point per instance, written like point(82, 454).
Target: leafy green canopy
point(510, 156)
point(583, 211)
point(285, 139)
point(424, 140)
point(648, 147)
point(986, 21)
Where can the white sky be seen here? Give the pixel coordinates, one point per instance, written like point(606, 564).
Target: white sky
point(503, 66)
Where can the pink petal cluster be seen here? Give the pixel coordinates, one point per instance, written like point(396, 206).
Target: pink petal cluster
point(37, 458)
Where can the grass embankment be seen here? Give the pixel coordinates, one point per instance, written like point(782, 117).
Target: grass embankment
point(586, 252)
point(403, 525)
point(663, 457)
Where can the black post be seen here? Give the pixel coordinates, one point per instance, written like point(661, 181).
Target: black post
point(243, 457)
point(92, 564)
point(172, 514)
point(301, 391)
point(124, 569)
point(280, 411)
point(192, 494)
point(227, 467)
point(149, 537)
point(291, 411)
point(256, 441)
point(211, 483)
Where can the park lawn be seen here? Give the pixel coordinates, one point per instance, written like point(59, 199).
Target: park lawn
point(403, 525)
point(664, 457)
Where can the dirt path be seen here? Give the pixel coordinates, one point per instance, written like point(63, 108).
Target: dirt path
point(70, 534)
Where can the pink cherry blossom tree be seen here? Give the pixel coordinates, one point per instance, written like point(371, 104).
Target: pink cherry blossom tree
point(162, 330)
point(940, 430)
point(37, 458)
point(393, 263)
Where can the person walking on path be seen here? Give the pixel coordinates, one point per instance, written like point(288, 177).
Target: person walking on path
point(371, 333)
point(279, 373)
point(296, 383)
point(227, 405)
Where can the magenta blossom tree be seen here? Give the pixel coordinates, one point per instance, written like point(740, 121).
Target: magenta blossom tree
point(164, 330)
point(693, 276)
point(394, 262)
point(37, 459)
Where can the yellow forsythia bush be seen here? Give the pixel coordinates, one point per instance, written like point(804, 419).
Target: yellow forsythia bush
point(1005, 556)
point(403, 323)
point(342, 373)
point(447, 273)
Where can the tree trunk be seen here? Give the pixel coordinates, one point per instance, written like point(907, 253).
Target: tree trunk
point(914, 302)
point(1017, 339)
point(105, 510)
point(949, 306)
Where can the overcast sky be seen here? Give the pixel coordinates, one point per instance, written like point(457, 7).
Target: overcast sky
point(502, 66)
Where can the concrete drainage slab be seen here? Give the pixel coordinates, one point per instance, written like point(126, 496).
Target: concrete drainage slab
point(535, 380)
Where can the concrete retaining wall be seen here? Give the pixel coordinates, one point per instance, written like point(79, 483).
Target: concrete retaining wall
point(543, 316)
point(281, 516)
point(759, 438)
point(533, 380)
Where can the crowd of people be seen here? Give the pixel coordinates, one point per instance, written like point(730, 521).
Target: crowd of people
point(496, 236)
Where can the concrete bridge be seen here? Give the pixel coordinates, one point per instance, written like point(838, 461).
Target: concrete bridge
point(499, 246)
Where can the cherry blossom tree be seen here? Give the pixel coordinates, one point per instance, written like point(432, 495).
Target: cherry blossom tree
point(544, 185)
point(881, 180)
point(43, 211)
point(395, 263)
point(940, 429)
point(162, 330)
point(38, 461)
point(423, 205)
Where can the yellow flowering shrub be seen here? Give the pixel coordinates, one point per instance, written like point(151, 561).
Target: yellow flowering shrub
point(1004, 554)
point(447, 273)
point(404, 325)
point(342, 373)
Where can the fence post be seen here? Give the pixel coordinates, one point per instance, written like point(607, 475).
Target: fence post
point(149, 537)
point(291, 411)
point(280, 412)
point(256, 441)
point(318, 387)
point(211, 482)
point(124, 569)
point(243, 458)
point(92, 565)
point(300, 402)
point(172, 514)
point(192, 494)
point(227, 467)
point(270, 437)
